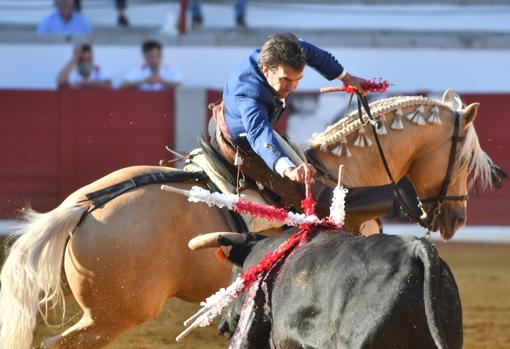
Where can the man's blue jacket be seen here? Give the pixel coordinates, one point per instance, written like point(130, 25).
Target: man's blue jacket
point(251, 105)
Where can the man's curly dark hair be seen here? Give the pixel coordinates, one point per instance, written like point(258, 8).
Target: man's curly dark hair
point(282, 49)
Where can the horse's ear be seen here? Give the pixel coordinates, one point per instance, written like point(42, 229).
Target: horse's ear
point(469, 113)
point(451, 99)
point(448, 95)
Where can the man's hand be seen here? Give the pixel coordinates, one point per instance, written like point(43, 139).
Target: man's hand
point(76, 53)
point(153, 78)
point(351, 80)
point(303, 173)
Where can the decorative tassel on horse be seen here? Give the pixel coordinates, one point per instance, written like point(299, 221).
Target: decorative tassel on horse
point(397, 123)
point(342, 149)
point(434, 116)
point(416, 116)
point(362, 140)
point(381, 130)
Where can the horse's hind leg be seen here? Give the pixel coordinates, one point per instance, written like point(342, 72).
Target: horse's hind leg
point(105, 321)
point(85, 334)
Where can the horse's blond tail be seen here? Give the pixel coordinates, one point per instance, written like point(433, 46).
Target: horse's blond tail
point(30, 277)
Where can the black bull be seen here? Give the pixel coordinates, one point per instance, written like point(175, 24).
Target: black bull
point(341, 291)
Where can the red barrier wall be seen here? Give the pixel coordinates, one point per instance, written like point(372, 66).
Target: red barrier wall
point(54, 142)
point(493, 126)
point(29, 143)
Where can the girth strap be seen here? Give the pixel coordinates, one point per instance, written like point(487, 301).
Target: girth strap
point(102, 196)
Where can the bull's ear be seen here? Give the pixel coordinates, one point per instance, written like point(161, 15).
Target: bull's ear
point(239, 239)
point(241, 246)
point(469, 113)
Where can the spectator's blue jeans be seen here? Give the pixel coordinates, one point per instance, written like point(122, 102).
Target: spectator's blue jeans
point(119, 4)
point(196, 8)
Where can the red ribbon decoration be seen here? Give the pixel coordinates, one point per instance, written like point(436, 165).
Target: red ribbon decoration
point(373, 85)
point(258, 210)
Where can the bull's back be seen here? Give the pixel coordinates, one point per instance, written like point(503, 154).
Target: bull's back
point(351, 292)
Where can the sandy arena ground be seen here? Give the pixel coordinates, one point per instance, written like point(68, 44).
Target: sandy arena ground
point(482, 272)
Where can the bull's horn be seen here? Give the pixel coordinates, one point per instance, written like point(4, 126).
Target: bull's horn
point(211, 240)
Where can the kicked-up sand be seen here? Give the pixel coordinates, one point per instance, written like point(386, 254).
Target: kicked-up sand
point(482, 272)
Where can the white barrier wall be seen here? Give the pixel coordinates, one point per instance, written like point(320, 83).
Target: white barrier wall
point(36, 66)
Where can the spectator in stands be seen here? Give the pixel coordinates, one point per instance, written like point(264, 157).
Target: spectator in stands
point(64, 20)
point(122, 20)
point(152, 75)
point(197, 17)
point(81, 72)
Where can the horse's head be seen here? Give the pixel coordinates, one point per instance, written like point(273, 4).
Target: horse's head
point(418, 141)
point(444, 170)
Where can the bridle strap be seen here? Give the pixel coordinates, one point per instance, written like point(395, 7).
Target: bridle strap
point(449, 170)
point(446, 198)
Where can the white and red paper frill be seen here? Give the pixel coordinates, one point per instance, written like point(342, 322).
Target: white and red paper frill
point(308, 224)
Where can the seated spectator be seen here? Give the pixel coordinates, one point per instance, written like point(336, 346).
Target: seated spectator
point(64, 20)
point(81, 72)
point(152, 75)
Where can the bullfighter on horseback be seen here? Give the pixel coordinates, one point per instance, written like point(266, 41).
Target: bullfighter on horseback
point(254, 99)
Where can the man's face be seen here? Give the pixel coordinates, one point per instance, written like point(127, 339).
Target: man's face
point(85, 63)
point(283, 79)
point(153, 58)
point(65, 7)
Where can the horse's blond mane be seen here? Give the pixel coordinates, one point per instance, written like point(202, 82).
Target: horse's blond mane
point(478, 163)
point(470, 156)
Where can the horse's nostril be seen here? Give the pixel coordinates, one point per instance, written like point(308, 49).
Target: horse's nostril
point(459, 223)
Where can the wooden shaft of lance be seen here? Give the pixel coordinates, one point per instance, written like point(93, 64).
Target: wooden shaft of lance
point(185, 333)
point(332, 89)
point(307, 182)
point(340, 175)
point(175, 190)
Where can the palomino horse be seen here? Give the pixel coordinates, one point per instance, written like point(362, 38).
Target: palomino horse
point(126, 258)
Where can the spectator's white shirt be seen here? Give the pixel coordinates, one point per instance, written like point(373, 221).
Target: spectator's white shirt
point(96, 75)
point(143, 72)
